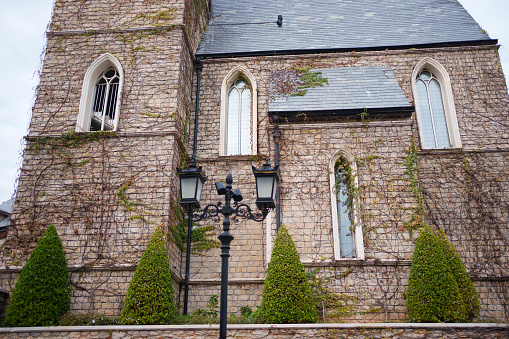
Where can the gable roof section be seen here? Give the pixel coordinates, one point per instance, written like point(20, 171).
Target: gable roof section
point(349, 90)
point(7, 206)
point(249, 27)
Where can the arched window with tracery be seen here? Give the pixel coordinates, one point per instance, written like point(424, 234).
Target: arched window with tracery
point(238, 125)
point(101, 95)
point(105, 101)
point(434, 106)
point(432, 111)
point(238, 134)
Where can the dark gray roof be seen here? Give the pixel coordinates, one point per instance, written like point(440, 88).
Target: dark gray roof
point(4, 223)
point(242, 26)
point(7, 206)
point(348, 88)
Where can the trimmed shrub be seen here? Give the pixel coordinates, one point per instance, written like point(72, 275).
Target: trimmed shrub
point(150, 295)
point(432, 294)
point(43, 292)
point(467, 291)
point(287, 296)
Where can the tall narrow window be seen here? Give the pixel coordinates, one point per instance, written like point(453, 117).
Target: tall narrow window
point(346, 224)
point(344, 203)
point(239, 119)
point(238, 123)
point(434, 106)
point(431, 108)
point(101, 95)
point(105, 101)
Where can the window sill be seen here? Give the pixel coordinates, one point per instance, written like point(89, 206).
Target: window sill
point(225, 158)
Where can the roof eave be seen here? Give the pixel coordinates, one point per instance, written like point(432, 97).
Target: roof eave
point(402, 112)
point(345, 50)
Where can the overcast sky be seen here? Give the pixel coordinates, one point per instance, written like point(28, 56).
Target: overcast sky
point(22, 27)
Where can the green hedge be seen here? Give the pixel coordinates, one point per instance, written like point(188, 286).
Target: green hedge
point(287, 296)
point(432, 294)
point(42, 293)
point(467, 291)
point(150, 295)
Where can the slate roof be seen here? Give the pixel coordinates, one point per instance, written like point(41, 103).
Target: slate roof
point(7, 206)
point(246, 27)
point(371, 87)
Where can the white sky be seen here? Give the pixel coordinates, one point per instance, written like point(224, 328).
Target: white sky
point(22, 26)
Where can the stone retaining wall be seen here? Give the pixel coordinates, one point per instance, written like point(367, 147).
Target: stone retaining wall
point(317, 331)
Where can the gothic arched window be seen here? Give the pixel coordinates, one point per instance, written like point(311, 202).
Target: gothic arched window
point(346, 225)
point(105, 101)
point(238, 133)
point(101, 95)
point(432, 112)
point(434, 106)
point(344, 211)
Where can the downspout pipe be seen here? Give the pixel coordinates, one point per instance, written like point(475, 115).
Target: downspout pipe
point(277, 137)
point(198, 67)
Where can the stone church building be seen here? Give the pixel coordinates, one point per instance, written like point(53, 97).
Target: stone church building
point(383, 115)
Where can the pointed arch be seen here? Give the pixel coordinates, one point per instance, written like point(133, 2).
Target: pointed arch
point(434, 106)
point(95, 72)
point(346, 223)
point(247, 116)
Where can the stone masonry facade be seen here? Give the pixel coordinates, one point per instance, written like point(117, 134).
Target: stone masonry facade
point(106, 192)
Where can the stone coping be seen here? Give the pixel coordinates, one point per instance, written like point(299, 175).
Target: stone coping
point(431, 326)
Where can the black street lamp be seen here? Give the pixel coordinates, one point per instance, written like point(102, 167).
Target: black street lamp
point(191, 185)
point(266, 183)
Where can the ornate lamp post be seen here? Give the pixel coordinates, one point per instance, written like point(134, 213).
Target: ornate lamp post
point(266, 183)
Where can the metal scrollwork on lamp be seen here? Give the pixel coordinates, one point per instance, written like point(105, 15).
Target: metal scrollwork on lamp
point(191, 185)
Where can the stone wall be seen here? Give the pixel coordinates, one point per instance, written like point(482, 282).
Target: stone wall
point(320, 331)
point(107, 192)
point(387, 201)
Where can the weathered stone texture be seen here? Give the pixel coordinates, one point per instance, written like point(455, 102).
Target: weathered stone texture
point(380, 148)
point(321, 332)
point(111, 14)
point(106, 193)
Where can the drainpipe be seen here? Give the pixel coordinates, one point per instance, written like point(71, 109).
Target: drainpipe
point(277, 137)
point(198, 67)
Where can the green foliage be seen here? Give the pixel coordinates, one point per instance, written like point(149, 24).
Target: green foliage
point(246, 311)
point(212, 310)
point(42, 293)
point(200, 237)
point(150, 296)
point(432, 294)
point(329, 304)
point(67, 140)
point(308, 79)
point(72, 319)
point(287, 296)
point(412, 170)
point(467, 291)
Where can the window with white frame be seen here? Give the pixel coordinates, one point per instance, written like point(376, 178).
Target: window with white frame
point(100, 95)
point(347, 230)
point(436, 114)
point(238, 132)
point(105, 101)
